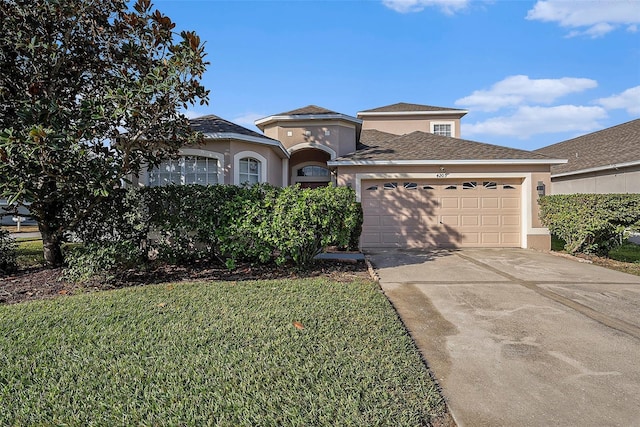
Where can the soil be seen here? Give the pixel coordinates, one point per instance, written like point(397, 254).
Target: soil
point(625, 267)
point(42, 283)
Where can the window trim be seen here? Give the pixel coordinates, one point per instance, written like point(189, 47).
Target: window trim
point(452, 123)
point(249, 154)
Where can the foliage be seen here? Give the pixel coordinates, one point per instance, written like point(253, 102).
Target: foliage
point(90, 93)
point(104, 261)
point(228, 354)
point(627, 252)
point(306, 221)
point(590, 223)
point(8, 253)
point(260, 223)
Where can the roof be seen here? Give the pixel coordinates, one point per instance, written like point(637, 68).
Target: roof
point(376, 146)
point(606, 149)
point(310, 112)
point(214, 127)
point(403, 107)
point(309, 109)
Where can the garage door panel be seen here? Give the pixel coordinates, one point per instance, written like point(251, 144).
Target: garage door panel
point(470, 238)
point(490, 203)
point(469, 220)
point(511, 220)
point(449, 203)
point(490, 220)
point(470, 203)
point(490, 238)
point(451, 220)
point(511, 239)
point(510, 203)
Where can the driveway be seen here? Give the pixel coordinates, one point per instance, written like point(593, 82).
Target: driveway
point(521, 338)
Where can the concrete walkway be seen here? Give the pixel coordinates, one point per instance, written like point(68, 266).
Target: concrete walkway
point(522, 338)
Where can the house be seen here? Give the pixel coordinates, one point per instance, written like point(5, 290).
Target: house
point(420, 183)
point(607, 161)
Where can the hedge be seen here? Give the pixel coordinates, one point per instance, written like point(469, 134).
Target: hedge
point(590, 223)
point(183, 224)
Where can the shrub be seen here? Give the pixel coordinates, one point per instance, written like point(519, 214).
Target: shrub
point(590, 223)
point(8, 255)
point(106, 261)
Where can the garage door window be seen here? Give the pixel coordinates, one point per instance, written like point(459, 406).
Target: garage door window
point(490, 185)
point(470, 185)
point(390, 185)
point(372, 188)
point(451, 187)
point(411, 185)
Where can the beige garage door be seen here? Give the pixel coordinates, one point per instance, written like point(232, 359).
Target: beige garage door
point(441, 213)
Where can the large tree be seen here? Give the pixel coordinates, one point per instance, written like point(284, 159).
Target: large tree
point(91, 92)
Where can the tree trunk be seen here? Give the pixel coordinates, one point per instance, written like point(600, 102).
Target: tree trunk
point(51, 244)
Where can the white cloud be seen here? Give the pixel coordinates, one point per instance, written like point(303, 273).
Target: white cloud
point(448, 7)
point(589, 18)
point(528, 121)
point(248, 119)
point(628, 100)
point(518, 90)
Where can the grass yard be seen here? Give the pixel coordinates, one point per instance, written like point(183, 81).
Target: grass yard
point(29, 253)
point(216, 353)
point(628, 252)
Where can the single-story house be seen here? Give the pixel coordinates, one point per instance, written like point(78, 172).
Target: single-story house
point(420, 184)
point(607, 161)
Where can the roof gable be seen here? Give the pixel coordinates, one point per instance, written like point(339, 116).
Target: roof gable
point(602, 149)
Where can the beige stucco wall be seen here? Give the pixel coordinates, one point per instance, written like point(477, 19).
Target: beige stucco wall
point(341, 138)
point(623, 180)
point(401, 125)
point(533, 233)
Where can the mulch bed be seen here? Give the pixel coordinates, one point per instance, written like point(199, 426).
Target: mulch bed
point(42, 283)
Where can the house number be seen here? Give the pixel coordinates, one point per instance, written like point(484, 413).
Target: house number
point(442, 175)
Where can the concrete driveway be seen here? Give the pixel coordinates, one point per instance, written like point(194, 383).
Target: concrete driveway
point(521, 338)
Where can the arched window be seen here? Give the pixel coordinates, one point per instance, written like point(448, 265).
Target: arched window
point(185, 170)
point(250, 170)
point(313, 171)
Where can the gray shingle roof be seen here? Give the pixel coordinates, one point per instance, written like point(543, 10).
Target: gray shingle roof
point(376, 146)
point(309, 109)
point(212, 124)
point(405, 107)
point(614, 145)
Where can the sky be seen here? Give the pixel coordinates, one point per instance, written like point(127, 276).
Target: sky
point(530, 73)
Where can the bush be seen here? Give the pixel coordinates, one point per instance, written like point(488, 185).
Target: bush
point(106, 261)
point(8, 255)
point(183, 224)
point(590, 223)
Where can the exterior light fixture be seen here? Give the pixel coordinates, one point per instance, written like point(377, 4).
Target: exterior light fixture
point(540, 188)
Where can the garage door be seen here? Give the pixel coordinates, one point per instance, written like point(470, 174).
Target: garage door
point(441, 213)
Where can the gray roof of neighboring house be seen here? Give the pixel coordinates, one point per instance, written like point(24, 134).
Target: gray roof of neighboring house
point(308, 110)
point(212, 124)
point(608, 147)
point(381, 146)
point(405, 107)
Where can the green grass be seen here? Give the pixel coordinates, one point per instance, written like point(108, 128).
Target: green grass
point(29, 253)
point(216, 353)
point(628, 252)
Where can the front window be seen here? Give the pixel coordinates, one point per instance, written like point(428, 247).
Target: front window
point(250, 170)
point(442, 129)
point(185, 170)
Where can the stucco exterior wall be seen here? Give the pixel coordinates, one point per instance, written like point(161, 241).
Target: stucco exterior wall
point(339, 137)
point(623, 180)
point(401, 125)
point(273, 165)
point(534, 235)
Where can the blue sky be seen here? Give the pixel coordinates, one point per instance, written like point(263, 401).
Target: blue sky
point(531, 73)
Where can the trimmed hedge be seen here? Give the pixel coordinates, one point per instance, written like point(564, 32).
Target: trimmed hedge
point(590, 223)
point(183, 224)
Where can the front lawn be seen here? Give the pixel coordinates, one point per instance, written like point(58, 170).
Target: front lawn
point(268, 353)
point(29, 253)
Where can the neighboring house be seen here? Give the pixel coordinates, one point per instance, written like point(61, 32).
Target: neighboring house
point(607, 161)
point(420, 184)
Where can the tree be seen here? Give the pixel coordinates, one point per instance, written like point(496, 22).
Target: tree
point(91, 92)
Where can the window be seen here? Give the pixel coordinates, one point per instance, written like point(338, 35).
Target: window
point(469, 185)
point(372, 188)
point(411, 185)
point(427, 187)
point(250, 170)
point(313, 171)
point(443, 127)
point(390, 185)
point(508, 187)
point(451, 187)
point(490, 185)
point(185, 170)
